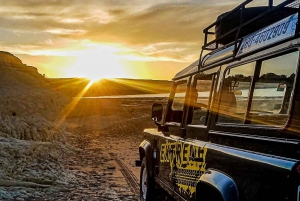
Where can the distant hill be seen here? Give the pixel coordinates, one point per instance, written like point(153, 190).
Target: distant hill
point(107, 87)
point(28, 76)
point(9, 60)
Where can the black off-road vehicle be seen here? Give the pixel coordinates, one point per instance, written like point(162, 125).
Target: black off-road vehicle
point(231, 128)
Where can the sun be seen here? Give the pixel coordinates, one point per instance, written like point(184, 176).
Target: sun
point(97, 62)
point(92, 80)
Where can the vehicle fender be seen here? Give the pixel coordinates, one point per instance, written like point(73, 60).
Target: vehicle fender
point(145, 150)
point(222, 183)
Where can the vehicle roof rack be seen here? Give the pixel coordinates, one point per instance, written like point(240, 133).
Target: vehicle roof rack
point(233, 25)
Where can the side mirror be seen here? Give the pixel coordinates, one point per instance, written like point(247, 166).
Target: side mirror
point(157, 112)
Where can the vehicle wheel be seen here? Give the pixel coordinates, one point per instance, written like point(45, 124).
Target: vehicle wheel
point(146, 183)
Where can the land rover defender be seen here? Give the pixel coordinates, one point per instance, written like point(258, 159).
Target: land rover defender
point(231, 128)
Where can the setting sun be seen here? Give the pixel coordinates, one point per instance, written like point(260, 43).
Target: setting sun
point(97, 62)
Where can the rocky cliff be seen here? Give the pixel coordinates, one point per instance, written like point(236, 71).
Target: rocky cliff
point(31, 139)
point(28, 107)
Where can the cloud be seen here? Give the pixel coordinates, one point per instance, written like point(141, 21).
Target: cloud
point(163, 23)
point(66, 31)
point(166, 30)
point(136, 22)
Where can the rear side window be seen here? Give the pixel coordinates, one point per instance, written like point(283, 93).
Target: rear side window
point(273, 90)
point(259, 92)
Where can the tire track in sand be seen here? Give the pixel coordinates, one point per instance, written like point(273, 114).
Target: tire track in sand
point(130, 178)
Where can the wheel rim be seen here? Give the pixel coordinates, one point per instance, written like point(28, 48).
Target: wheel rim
point(144, 183)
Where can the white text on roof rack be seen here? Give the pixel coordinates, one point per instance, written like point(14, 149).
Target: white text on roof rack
point(276, 32)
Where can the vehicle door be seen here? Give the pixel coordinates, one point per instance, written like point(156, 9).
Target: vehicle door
point(172, 128)
point(190, 163)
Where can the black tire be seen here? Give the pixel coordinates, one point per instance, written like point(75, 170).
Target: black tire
point(147, 183)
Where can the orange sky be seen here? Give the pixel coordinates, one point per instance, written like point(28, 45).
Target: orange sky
point(108, 38)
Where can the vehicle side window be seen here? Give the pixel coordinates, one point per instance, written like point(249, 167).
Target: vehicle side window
point(235, 93)
point(179, 97)
point(177, 101)
point(273, 90)
point(200, 103)
point(259, 92)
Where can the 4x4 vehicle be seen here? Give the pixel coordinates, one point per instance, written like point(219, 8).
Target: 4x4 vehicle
point(231, 128)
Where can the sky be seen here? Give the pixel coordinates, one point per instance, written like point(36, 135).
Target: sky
point(107, 38)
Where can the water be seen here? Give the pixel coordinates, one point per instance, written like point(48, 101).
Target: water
point(265, 92)
point(130, 96)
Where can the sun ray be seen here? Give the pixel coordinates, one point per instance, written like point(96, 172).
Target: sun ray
point(69, 108)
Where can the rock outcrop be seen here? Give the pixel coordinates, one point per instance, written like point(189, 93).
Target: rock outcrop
point(9, 60)
point(31, 132)
point(29, 108)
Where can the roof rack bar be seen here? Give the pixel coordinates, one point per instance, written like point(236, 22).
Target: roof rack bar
point(227, 14)
point(241, 7)
point(206, 30)
point(238, 30)
point(270, 4)
point(268, 11)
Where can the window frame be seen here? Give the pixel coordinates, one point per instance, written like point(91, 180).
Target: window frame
point(169, 110)
point(214, 73)
point(257, 67)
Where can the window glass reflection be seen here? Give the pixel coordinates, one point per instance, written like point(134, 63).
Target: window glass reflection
point(235, 93)
point(200, 103)
point(273, 89)
point(179, 97)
